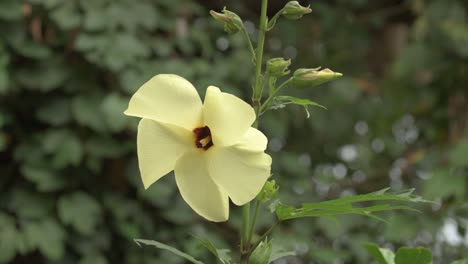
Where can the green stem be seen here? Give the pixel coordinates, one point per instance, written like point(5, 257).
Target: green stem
point(266, 104)
point(245, 227)
point(256, 98)
point(254, 221)
point(257, 93)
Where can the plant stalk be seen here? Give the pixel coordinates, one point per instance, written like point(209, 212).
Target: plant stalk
point(257, 93)
point(254, 221)
point(256, 102)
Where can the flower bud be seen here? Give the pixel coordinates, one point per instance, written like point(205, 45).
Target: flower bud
point(307, 78)
point(262, 253)
point(231, 21)
point(278, 67)
point(269, 191)
point(293, 10)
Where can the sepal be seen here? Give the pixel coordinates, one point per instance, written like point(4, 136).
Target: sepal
point(231, 21)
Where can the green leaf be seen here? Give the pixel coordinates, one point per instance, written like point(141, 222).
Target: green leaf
point(10, 10)
point(123, 50)
point(67, 15)
point(30, 49)
point(30, 205)
point(381, 255)
point(105, 147)
point(418, 255)
point(87, 42)
point(94, 20)
point(282, 101)
point(48, 236)
point(46, 179)
point(3, 142)
point(65, 147)
point(81, 211)
point(458, 154)
point(8, 237)
point(4, 80)
point(414, 57)
point(221, 254)
point(56, 112)
point(4, 75)
point(113, 51)
point(86, 111)
point(403, 227)
point(457, 35)
point(94, 258)
point(168, 248)
point(48, 4)
point(345, 205)
point(444, 183)
point(44, 76)
point(113, 107)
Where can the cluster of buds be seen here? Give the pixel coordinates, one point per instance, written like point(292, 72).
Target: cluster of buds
point(277, 67)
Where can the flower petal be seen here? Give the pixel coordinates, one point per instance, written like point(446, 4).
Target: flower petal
point(253, 140)
point(198, 189)
point(169, 99)
point(159, 147)
point(227, 116)
point(240, 173)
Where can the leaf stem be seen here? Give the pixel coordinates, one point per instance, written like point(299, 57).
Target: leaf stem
point(266, 104)
point(272, 21)
point(249, 42)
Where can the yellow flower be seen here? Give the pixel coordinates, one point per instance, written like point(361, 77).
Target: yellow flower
point(212, 148)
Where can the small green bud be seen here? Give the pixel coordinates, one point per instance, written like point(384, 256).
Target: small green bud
point(307, 78)
point(231, 21)
point(278, 67)
point(262, 254)
point(269, 192)
point(293, 10)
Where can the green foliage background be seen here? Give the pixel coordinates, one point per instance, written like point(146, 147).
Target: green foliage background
point(70, 190)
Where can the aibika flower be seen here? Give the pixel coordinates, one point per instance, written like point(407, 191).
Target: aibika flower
point(212, 148)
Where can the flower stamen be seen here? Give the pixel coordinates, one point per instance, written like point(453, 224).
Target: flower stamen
point(203, 137)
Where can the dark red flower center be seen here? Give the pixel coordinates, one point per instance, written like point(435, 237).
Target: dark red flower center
point(203, 137)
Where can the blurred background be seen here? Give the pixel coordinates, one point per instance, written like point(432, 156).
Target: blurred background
point(70, 189)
